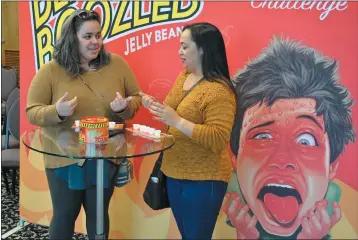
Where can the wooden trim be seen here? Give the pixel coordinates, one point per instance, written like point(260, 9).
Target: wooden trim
point(12, 58)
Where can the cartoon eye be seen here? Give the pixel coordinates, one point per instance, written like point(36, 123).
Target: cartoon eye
point(263, 136)
point(307, 140)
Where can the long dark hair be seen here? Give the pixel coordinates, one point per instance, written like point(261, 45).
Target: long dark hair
point(66, 47)
point(213, 62)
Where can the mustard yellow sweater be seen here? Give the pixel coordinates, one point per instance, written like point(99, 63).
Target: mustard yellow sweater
point(51, 82)
point(204, 156)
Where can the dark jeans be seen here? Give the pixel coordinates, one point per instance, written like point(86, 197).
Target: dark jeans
point(196, 206)
point(67, 205)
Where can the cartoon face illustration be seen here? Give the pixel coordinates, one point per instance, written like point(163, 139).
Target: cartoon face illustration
point(293, 121)
point(285, 147)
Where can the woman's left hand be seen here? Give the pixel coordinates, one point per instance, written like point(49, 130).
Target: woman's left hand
point(164, 113)
point(119, 103)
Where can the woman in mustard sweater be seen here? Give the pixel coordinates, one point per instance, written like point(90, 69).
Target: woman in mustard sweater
point(198, 166)
point(82, 80)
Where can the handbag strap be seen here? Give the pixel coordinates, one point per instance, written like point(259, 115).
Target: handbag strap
point(159, 160)
point(99, 96)
point(187, 93)
point(189, 90)
point(90, 88)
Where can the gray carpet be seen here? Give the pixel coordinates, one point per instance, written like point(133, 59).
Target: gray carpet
point(10, 216)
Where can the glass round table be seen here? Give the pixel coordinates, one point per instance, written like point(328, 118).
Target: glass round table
point(65, 143)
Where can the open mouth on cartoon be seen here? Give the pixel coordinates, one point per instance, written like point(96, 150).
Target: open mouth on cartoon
point(282, 201)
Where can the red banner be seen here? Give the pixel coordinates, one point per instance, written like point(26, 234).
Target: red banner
point(146, 34)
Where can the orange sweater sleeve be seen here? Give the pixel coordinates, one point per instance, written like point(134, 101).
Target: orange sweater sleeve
point(218, 117)
point(39, 110)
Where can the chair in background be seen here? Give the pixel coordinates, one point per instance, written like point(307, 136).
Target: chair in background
point(9, 81)
point(10, 158)
point(11, 142)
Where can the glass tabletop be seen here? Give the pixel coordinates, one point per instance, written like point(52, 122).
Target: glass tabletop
point(64, 142)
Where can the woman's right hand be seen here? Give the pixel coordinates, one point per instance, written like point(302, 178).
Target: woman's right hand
point(66, 108)
point(147, 100)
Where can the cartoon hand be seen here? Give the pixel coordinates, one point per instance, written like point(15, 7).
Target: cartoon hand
point(239, 217)
point(317, 224)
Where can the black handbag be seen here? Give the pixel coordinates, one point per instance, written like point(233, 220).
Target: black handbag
point(155, 193)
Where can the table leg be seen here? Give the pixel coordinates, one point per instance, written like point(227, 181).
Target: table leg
point(99, 201)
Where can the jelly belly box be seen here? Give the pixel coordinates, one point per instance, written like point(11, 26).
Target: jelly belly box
point(94, 129)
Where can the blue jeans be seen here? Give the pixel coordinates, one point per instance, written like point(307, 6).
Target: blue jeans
point(195, 206)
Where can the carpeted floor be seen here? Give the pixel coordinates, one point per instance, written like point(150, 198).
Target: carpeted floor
point(10, 217)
